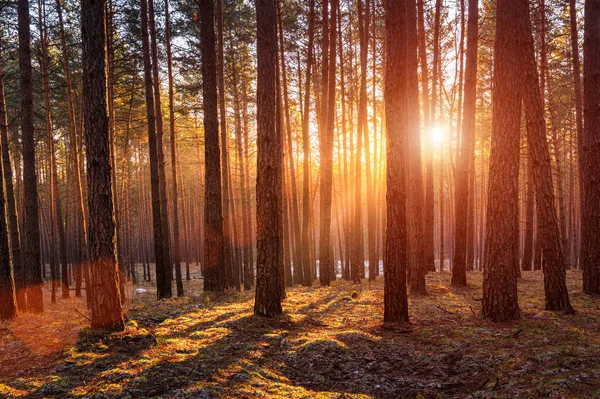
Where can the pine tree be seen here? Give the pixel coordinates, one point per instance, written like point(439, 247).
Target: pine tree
point(500, 302)
point(31, 258)
point(214, 255)
point(589, 151)
point(396, 98)
point(269, 194)
point(107, 313)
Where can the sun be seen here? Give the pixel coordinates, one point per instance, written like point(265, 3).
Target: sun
point(437, 135)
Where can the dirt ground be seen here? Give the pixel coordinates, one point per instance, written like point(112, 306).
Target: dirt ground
point(330, 343)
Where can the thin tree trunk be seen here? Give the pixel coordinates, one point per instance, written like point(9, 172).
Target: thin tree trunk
point(31, 258)
point(164, 206)
point(214, 241)
point(589, 150)
point(414, 179)
point(81, 251)
point(163, 284)
point(295, 215)
point(555, 287)
point(172, 132)
point(464, 179)
point(8, 299)
point(227, 201)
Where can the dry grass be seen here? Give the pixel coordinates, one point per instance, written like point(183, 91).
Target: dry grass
point(329, 344)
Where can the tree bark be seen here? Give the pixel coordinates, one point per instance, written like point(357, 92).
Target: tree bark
point(306, 208)
point(467, 146)
point(214, 241)
point(589, 151)
point(269, 212)
point(81, 251)
point(162, 180)
point(500, 302)
point(414, 178)
point(173, 136)
point(8, 300)
point(395, 95)
point(227, 201)
point(106, 307)
point(31, 258)
point(553, 266)
point(161, 262)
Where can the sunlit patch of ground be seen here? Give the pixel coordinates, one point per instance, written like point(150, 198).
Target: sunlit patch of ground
point(330, 343)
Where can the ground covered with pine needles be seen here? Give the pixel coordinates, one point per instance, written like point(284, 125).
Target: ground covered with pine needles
point(330, 343)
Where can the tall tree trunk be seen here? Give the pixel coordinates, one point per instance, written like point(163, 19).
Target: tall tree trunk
point(269, 193)
point(31, 258)
point(172, 132)
point(500, 302)
point(555, 287)
point(111, 137)
point(345, 153)
point(107, 313)
point(356, 262)
point(227, 201)
point(295, 215)
point(589, 151)
point(245, 235)
point(164, 206)
point(214, 241)
point(396, 100)
point(54, 200)
point(467, 147)
point(414, 178)
point(249, 271)
point(8, 300)
point(429, 187)
point(163, 283)
point(306, 208)
point(371, 222)
point(81, 251)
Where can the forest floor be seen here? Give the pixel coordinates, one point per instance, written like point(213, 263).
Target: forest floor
point(330, 343)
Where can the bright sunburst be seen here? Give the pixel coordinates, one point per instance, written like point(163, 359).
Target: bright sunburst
point(437, 135)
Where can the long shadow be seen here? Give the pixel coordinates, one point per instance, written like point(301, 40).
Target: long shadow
point(112, 349)
point(381, 365)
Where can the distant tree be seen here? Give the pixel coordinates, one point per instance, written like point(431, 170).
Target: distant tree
point(395, 94)
point(107, 313)
point(589, 150)
point(306, 210)
point(500, 302)
point(162, 180)
point(214, 255)
point(161, 258)
point(414, 168)
point(173, 134)
point(467, 146)
point(32, 263)
point(553, 260)
point(269, 194)
point(326, 145)
point(80, 251)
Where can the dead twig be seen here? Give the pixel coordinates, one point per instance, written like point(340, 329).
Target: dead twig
point(516, 333)
point(446, 310)
point(82, 315)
